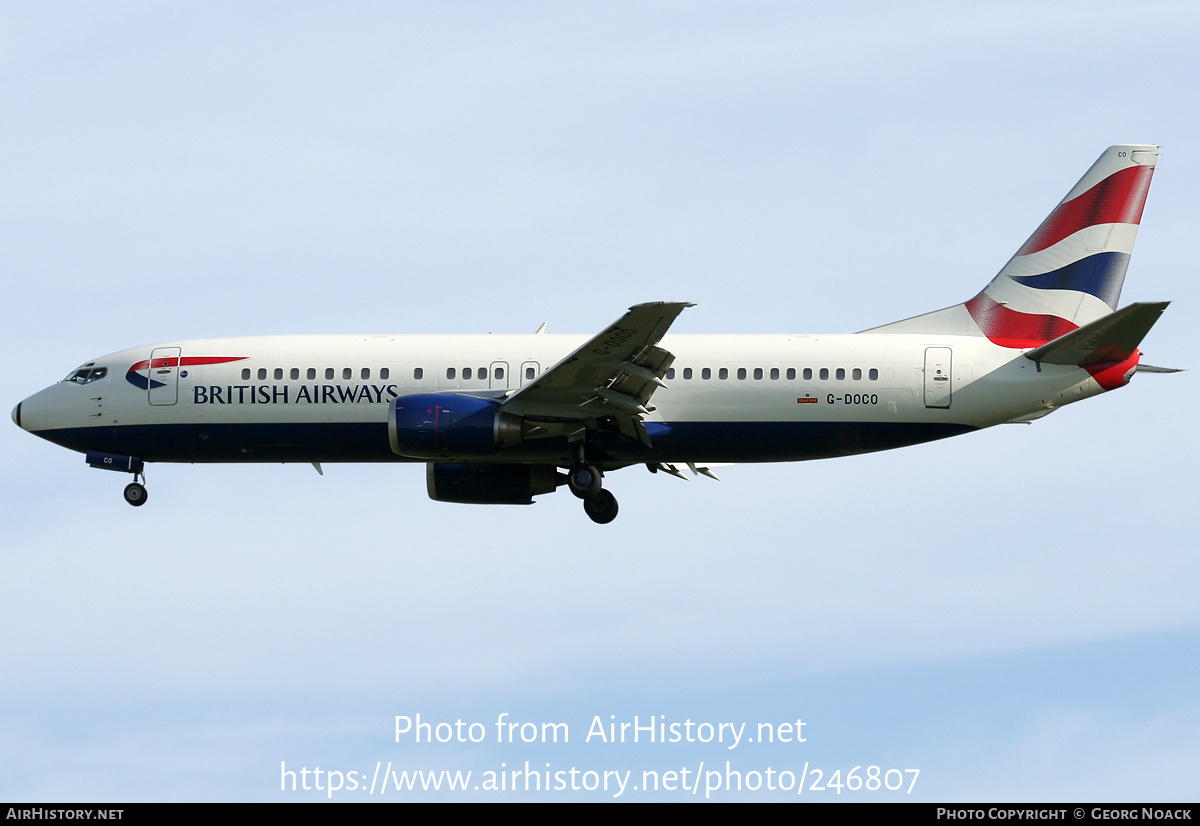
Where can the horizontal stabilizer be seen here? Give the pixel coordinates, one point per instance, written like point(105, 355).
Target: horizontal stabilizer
point(1112, 337)
point(1150, 368)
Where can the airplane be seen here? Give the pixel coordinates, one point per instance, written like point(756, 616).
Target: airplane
point(500, 419)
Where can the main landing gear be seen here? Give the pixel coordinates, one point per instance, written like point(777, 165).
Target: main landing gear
point(601, 508)
point(585, 481)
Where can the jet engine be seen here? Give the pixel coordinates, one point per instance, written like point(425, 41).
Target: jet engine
point(489, 484)
point(450, 425)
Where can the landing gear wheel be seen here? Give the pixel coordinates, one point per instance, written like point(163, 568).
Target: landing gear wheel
point(135, 494)
point(584, 481)
point(601, 508)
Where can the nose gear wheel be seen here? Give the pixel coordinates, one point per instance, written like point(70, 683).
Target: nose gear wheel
point(135, 494)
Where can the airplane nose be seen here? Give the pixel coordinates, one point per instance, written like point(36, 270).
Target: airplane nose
point(30, 414)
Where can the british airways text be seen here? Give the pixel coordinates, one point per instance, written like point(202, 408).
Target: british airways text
point(287, 394)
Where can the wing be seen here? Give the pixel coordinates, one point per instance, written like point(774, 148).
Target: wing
point(612, 376)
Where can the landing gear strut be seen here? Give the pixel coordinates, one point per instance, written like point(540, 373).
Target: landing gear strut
point(585, 482)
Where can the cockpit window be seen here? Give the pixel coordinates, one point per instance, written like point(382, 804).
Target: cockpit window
point(87, 374)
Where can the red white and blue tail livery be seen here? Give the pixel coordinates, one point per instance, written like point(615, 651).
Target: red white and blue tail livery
point(1070, 271)
point(499, 419)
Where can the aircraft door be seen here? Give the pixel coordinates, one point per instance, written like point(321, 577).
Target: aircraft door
point(938, 378)
point(163, 385)
point(498, 375)
point(529, 372)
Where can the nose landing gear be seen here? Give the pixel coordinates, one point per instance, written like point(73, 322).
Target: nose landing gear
point(135, 494)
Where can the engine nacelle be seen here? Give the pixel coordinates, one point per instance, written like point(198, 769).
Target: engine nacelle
point(489, 484)
point(448, 425)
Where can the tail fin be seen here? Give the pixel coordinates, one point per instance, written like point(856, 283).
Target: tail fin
point(1070, 271)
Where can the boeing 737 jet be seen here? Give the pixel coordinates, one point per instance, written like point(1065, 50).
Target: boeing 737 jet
point(499, 419)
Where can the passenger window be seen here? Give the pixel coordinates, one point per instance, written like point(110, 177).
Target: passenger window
point(758, 373)
point(246, 374)
point(791, 374)
point(857, 374)
point(365, 373)
point(499, 372)
point(329, 374)
point(466, 372)
point(347, 373)
point(841, 374)
point(481, 372)
point(774, 373)
point(528, 372)
point(418, 373)
point(808, 374)
point(873, 375)
point(687, 373)
point(278, 373)
point(723, 373)
point(824, 374)
point(262, 373)
point(295, 374)
point(449, 372)
point(312, 373)
point(706, 373)
point(670, 372)
point(384, 373)
point(741, 372)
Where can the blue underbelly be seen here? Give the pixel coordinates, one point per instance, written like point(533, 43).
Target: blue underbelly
point(368, 442)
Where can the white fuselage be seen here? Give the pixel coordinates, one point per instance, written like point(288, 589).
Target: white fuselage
point(728, 398)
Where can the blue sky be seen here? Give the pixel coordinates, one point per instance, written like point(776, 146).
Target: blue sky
point(1012, 612)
